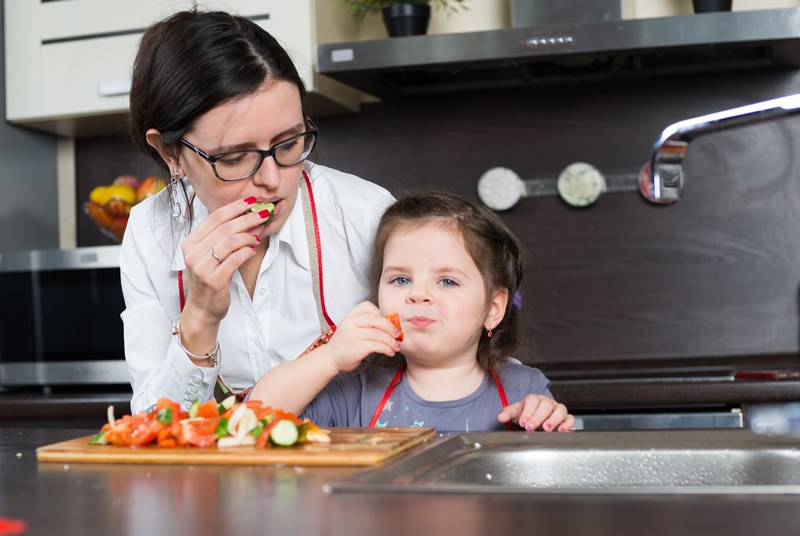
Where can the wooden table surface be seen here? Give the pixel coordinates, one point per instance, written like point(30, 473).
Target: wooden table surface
point(57, 498)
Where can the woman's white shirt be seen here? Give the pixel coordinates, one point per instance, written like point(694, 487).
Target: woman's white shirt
point(281, 319)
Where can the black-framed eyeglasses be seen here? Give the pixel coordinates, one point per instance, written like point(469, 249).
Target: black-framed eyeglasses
point(241, 164)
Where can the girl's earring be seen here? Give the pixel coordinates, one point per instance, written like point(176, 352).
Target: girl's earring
point(489, 333)
point(174, 178)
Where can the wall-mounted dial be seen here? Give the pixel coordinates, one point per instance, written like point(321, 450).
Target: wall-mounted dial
point(580, 184)
point(500, 188)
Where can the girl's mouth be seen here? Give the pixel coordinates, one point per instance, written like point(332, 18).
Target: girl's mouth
point(420, 321)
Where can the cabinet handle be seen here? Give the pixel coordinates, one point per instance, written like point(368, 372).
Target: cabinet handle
point(114, 88)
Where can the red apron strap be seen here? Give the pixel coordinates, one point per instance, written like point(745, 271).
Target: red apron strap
point(389, 390)
point(502, 393)
point(386, 396)
point(315, 253)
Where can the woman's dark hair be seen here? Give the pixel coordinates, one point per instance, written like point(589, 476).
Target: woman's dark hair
point(493, 247)
point(193, 61)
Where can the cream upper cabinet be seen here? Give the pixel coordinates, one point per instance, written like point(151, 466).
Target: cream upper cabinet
point(68, 62)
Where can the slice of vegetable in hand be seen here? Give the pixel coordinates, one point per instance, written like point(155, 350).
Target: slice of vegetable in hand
point(258, 207)
point(394, 318)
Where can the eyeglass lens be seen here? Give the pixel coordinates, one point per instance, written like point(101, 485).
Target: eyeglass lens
point(241, 164)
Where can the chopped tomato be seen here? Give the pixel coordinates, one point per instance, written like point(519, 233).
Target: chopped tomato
point(145, 429)
point(200, 431)
point(208, 409)
point(264, 412)
point(394, 318)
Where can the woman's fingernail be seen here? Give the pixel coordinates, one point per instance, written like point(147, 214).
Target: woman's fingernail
point(548, 426)
point(562, 429)
point(258, 238)
point(397, 347)
point(529, 428)
point(264, 214)
point(249, 200)
point(254, 250)
point(522, 423)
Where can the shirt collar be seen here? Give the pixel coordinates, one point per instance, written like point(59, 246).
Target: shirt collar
point(293, 234)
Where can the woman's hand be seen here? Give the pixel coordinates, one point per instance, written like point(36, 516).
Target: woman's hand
point(538, 412)
point(215, 250)
point(362, 332)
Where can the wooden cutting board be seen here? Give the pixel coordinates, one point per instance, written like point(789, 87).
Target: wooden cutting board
point(348, 447)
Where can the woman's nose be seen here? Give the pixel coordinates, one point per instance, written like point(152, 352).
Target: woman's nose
point(268, 174)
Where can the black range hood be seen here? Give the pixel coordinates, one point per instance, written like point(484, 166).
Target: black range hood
point(406, 66)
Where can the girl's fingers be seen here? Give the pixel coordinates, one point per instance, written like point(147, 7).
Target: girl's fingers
point(568, 424)
point(510, 412)
point(535, 409)
point(556, 418)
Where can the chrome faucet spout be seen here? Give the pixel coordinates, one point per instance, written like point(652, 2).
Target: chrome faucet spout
point(661, 178)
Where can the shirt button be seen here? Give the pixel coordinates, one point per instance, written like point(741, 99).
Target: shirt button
point(261, 291)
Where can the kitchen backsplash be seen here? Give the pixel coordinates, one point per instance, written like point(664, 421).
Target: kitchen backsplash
point(712, 276)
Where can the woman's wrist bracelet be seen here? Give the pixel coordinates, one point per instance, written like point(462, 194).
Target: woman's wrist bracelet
point(214, 356)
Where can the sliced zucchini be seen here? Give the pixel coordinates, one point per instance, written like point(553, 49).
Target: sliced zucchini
point(284, 433)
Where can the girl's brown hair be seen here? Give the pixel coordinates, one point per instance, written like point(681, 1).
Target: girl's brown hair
point(492, 246)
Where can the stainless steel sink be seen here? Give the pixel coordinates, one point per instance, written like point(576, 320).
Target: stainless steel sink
point(664, 461)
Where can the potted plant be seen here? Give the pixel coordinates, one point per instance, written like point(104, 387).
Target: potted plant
point(403, 17)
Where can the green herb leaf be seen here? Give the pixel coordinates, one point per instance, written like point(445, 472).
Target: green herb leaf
point(165, 416)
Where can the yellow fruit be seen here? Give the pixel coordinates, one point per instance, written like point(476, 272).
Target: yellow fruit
point(98, 195)
point(123, 192)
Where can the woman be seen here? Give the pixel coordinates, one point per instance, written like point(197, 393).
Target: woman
point(216, 294)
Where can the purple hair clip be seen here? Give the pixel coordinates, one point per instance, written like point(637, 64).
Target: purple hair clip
point(517, 300)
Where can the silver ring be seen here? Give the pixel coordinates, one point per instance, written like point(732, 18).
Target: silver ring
point(214, 255)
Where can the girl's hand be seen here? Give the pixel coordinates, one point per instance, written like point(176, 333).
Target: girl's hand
point(538, 412)
point(233, 237)
point(362, 332)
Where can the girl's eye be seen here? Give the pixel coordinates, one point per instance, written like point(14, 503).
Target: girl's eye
point(400, 280)
point(448, 283)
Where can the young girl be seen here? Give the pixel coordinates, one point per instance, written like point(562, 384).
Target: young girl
point(451, 270)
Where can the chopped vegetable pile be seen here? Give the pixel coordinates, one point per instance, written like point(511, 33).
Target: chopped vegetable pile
point(206, 424)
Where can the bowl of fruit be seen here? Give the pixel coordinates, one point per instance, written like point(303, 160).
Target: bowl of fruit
point(109, 206)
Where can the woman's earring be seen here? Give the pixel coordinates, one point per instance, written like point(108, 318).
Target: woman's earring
point(489, 333)
point(174, 178)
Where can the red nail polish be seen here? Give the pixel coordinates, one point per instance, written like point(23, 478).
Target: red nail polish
point(258, 238)
point(548, 426)
point(249, 200)
point(264, 214)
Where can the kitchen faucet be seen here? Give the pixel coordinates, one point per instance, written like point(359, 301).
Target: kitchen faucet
point(661, 178)
point(661, 181)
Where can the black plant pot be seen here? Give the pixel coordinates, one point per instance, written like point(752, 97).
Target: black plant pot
point(406, 19)
point(707, 6)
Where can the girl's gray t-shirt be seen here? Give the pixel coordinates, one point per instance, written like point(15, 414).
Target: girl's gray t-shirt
point(351, 399)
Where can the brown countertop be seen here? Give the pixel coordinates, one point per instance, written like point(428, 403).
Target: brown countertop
point(56, 498)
